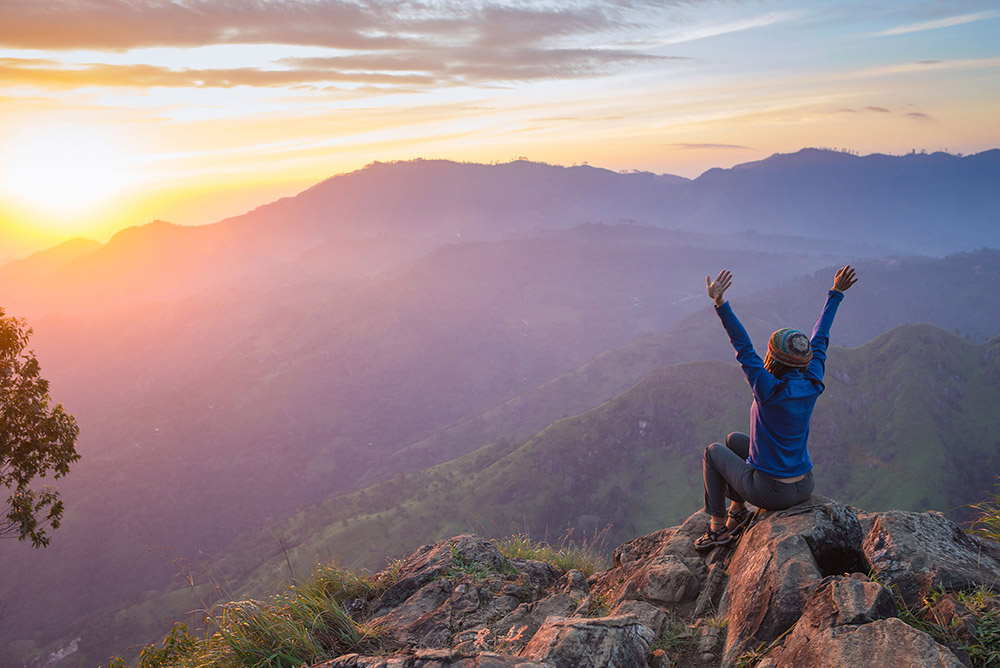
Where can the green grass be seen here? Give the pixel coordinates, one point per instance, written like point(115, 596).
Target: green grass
point(672, 637)
point(460, 566)
point(305, 624)
point(986, 523)
point(980, 640)
point(585, 556)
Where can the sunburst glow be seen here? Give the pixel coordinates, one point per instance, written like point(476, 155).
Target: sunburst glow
point(63, 171)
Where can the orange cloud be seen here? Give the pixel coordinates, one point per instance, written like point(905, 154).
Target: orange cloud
point(362, 24)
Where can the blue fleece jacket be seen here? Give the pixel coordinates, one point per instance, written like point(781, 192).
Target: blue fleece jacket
point(779, 415)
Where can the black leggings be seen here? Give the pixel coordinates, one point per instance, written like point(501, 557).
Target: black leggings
point(727, 474)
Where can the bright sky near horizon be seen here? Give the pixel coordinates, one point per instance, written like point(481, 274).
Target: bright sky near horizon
point(117, 112)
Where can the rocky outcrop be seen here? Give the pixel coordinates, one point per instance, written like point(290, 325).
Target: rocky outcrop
point(887, 642)
point(920, 552)
point(779, 563)
point(813, 585)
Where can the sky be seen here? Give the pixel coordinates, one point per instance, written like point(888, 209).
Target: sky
point(117, 112)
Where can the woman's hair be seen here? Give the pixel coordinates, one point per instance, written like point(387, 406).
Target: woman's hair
point(776, 368)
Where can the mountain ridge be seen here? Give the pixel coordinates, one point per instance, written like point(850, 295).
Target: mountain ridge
point(908, 203)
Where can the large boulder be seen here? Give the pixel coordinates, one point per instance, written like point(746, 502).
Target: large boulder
point(778, 564)
point(563, 642)
point(667, 580)
point(846, 599)
point(837, 601)
point(886, 642)
point(919, 552)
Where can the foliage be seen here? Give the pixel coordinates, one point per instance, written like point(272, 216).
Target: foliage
point(600, 605)
point(343, 585)
point(461, 566)
point(585, 556)
point(36, 439)
point(980, 639)
point(306, 624)
point(717, 621)
point(177, 646)
point(987, 521)
point(672, 637)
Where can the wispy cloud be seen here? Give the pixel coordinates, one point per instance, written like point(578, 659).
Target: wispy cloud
point(947, 22)
point(414, 68)
point(690, 34)
point(380, 42)
point(53, 75)
point(913, 115)
point(920, 116)
point(343, 24)
point(895, 69)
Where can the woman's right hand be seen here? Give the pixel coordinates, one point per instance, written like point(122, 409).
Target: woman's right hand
point(717, 288)
point(844, 278)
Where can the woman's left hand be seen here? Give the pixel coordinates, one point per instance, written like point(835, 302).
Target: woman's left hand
point(717, 288)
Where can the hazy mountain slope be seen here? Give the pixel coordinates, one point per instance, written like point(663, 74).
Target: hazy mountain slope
point(928, 204)
point(450, 201)
point(906, 422)
point(961, 292)
point(40, 265)
point(161, 261)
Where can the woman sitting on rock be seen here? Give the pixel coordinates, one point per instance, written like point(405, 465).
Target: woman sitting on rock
point(770, 467)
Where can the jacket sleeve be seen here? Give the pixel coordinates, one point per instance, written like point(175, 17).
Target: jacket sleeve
point(761, 381)
point(821, 334)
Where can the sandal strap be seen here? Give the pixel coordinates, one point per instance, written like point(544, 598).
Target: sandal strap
point(714, 535)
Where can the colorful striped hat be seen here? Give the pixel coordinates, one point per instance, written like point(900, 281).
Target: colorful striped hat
point(789, 347)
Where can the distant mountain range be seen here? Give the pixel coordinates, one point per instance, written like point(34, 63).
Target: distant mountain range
point(360, 223)
point(410, 313)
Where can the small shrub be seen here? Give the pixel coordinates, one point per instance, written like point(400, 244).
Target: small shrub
point(982, 639)
point(343, 585)
point(585, 556)
point(460, 566)
point(600, 605)
point(672, 637)
point(717, 621)
point(304, 625)
point(177, 645)
point(987, 521)
point(751, 658)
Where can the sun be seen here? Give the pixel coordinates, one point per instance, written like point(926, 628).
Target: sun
point(63, 171)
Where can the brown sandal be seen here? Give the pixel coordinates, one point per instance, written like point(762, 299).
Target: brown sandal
point(713, 538)
point(740, 519)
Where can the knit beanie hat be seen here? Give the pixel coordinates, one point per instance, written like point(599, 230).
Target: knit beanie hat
point(789, 347)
